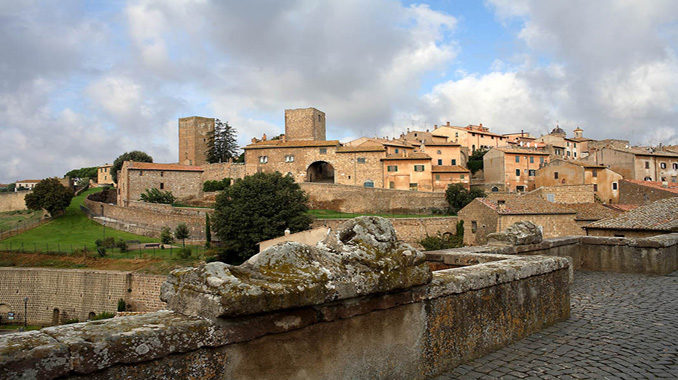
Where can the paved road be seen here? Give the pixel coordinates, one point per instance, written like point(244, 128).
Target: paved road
point(621, 326)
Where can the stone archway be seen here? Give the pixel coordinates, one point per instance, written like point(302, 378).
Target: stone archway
point(55, 317)
point(320, 171)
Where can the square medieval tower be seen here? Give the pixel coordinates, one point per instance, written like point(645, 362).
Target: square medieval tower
point(304, 124)
point(193, 134)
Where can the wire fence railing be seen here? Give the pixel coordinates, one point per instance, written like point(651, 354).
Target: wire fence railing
point(22, 227)
point(133, 250)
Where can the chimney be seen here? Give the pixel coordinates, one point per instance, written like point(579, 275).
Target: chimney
point(435, 126)
point(521, 133)
point(263, 138)
point(448, 123)
point(283, 138)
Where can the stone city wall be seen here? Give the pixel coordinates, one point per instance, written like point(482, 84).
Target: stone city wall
point(356, 199)
point(416, 333)
point(13, 201)
point(219, 171)
point(57, 295)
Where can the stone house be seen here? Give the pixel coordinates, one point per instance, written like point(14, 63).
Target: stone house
point(104, 176)
point(368, 162)
point(134, 178)
point(644, 164)
point(471, 137)
point(26, 184)
point(635, 192)
point(560, 146)
point(656, 218)
point(512, 169)
point(496, 212)
point(561, 172)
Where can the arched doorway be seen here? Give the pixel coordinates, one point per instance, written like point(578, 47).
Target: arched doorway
point(320, 171)
point(55, 317)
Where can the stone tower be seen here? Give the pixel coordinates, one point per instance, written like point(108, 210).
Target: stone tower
point(578, 133)
point(193, 134)
point(304, 124)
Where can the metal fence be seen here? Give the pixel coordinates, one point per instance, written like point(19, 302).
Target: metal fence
point(134, 250)
point(22, 228)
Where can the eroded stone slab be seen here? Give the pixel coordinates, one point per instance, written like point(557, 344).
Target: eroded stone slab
point(519, 233)
point(32, 355)
point(363, 256)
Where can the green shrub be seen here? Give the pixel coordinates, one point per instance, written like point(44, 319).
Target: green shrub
point(122, 245)
point(444, 241)
point(182, 233)
point(216, 185)
point(166, 236)
point(122, 305)
point(458, 197)
point(154, 195)
point(185, 253)
point(71, 321)
point(103, 315)
point(108, 242)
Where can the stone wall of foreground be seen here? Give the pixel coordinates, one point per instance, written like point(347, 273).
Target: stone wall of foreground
point(462, 314)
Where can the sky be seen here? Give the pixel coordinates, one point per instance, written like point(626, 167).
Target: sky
point(82, 82)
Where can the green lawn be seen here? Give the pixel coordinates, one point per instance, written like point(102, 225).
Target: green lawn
point(13, 219)
point(73, 230)
point(330, 214)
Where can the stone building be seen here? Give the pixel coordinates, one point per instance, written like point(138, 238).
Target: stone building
point(193, 134)
point(512, 169)
point(498, 211)
point(645, 164)
point(471, 137)
point(561, 172)
point(635, 192)
point(558, 145)
point(104, 176)
point(656, 218)
point(26, 184)
point(424, 164)
point(136, 177)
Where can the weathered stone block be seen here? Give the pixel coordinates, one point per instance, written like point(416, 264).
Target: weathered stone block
point(520, 233)
point(361, 257)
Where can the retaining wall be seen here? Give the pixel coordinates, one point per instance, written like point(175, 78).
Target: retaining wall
point(464, 313)
point(13, 201)
point(356, 199)
point(74, 293)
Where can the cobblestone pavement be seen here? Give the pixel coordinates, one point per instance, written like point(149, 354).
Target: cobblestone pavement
point(621, 326)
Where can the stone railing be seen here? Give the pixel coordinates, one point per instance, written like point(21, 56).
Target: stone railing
point(359, 304)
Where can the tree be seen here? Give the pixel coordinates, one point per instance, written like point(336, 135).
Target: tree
point(182, 233)
point(166, 236)
point(475, 161)
point(257, 208)
point(135, 155)
point(457, 197)
point(51, 195)
point(156, 196)
point(89, 172)
point(221, 143)
point(208, 232)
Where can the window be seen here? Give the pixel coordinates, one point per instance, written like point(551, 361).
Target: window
point(418, 168)
point(440, 161)
point(461, 176)
point(531, 160)
point(594, 173)
point(396, 150)
point(568, 153)
point(141, 172)
point(162, 174)
point(663, 179)
point(520, 188)
point(647, 164)
point(320, 118)
point(517, 172)
point(369, 183)
point(263, 159)
point(454, 162)
point(439, 152)
point(162, 185)
point(541, 160)
point(595, 187)
point(614, 185)
point(289, 158)
point(662, 165)
point(473, 148)
point(494, 189)
point(575, 145)
point(567, 143)
point(517, 158)
point(361, 160)
point(391, 185)
point(551, 197)
point(675, 166)
point(532, 172)
point(648, 178)
point(413, 186)
point(437, 177)
point(674, 179)
point(575, 154)
point(322, 150)
point(474, 226)
point(555, 175)
point(392, 168)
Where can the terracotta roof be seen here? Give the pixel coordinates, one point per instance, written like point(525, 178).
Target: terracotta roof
point(106, 165)
point(448, 169)
point(398, 144)
point(168, 167)
point(521, 151)
point(361, 148)
point(411, 156)
point(431, 143)
point(621, 207)
point(672, 187)
point(661, 215)
point(643, 152)
point(29, 181)
point(580, 139)
point(592, 211)
point(515, 204)
point(291, 144)
point(582, 163)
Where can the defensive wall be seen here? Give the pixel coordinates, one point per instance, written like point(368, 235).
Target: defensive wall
point(649, 255)
point(13, 201)
point(57, 295)
point(356, 199)
point(219, 171)
point(415, 333)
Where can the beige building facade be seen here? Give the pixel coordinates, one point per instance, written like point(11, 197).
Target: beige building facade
point(104, 175)
point(560, 172)
point(136, 177)
point(472, 136)
point(512, 169)
point(639, 164)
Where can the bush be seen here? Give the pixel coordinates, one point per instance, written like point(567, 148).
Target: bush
point(71, 321)
point(102, 315)
point(257, 208)
point(51, 195)
point(108, 242)
point(458, 197)
point(475, 161)
point(216, 185)
point(156, 196)
point(122, 305)
point(182, 233)
point(122, 245)
point(184, 252)
point(166, 236)
point(444, 241)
